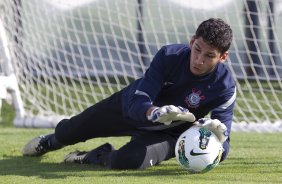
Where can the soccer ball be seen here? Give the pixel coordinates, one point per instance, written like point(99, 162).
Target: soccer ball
point(198, 150)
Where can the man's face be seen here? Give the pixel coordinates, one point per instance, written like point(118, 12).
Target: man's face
point(204, 57)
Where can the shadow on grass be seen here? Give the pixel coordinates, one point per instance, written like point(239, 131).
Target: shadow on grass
point(33, 166)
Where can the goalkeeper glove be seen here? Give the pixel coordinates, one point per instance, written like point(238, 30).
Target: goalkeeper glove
point(214, 125)
point(168, 113)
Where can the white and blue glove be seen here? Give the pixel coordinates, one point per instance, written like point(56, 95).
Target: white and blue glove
point(214, 125)
point(168, 113)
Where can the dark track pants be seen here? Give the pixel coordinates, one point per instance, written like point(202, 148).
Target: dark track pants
point(104, 119)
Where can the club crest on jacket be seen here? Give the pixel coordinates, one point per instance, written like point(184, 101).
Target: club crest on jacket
point(194, 98)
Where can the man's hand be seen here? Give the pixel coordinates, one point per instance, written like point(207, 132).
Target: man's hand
point(168, 113)
point(214, 125)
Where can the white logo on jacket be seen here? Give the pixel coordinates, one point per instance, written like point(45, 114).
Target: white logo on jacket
point(194, 98)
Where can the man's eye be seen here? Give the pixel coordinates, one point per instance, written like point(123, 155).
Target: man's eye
point(211, 56)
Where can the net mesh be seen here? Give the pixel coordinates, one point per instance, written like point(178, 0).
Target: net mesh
point(68, 55)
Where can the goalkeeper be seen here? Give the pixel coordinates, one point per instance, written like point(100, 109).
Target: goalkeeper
point(183, 84)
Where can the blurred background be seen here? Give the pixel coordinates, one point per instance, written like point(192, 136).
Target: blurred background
point(67, 55)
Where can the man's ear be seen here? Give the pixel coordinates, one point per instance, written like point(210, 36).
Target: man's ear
point(192, 41)
point(224, 57)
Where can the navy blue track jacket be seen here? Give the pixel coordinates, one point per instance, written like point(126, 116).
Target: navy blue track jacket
point(168, 81)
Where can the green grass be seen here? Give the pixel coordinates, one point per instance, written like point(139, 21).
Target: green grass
point(7, 115)
point(253, 95)
point(253, 158)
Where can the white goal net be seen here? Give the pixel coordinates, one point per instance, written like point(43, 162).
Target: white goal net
point(68, 54)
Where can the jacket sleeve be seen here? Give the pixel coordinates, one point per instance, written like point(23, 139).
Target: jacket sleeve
point(224, 113)
point(148, 88)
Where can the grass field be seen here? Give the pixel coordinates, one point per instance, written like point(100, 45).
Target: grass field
point(253, 158)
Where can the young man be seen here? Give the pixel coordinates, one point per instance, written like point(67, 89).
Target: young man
point(183, 84)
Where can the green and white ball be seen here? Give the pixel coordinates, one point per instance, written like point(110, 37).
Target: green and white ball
point(198, 150)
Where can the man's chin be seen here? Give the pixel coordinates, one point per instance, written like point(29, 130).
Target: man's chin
point(196, 72)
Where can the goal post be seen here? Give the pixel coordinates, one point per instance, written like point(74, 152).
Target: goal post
point(68, 55)
point(8, 80)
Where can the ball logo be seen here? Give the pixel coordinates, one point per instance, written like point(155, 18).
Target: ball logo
point(215, 162)
point(193, 99)
point(181, 152)
point(204, 138)
point(196, 154)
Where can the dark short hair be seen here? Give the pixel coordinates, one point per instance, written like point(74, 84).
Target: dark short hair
point(215, 32)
